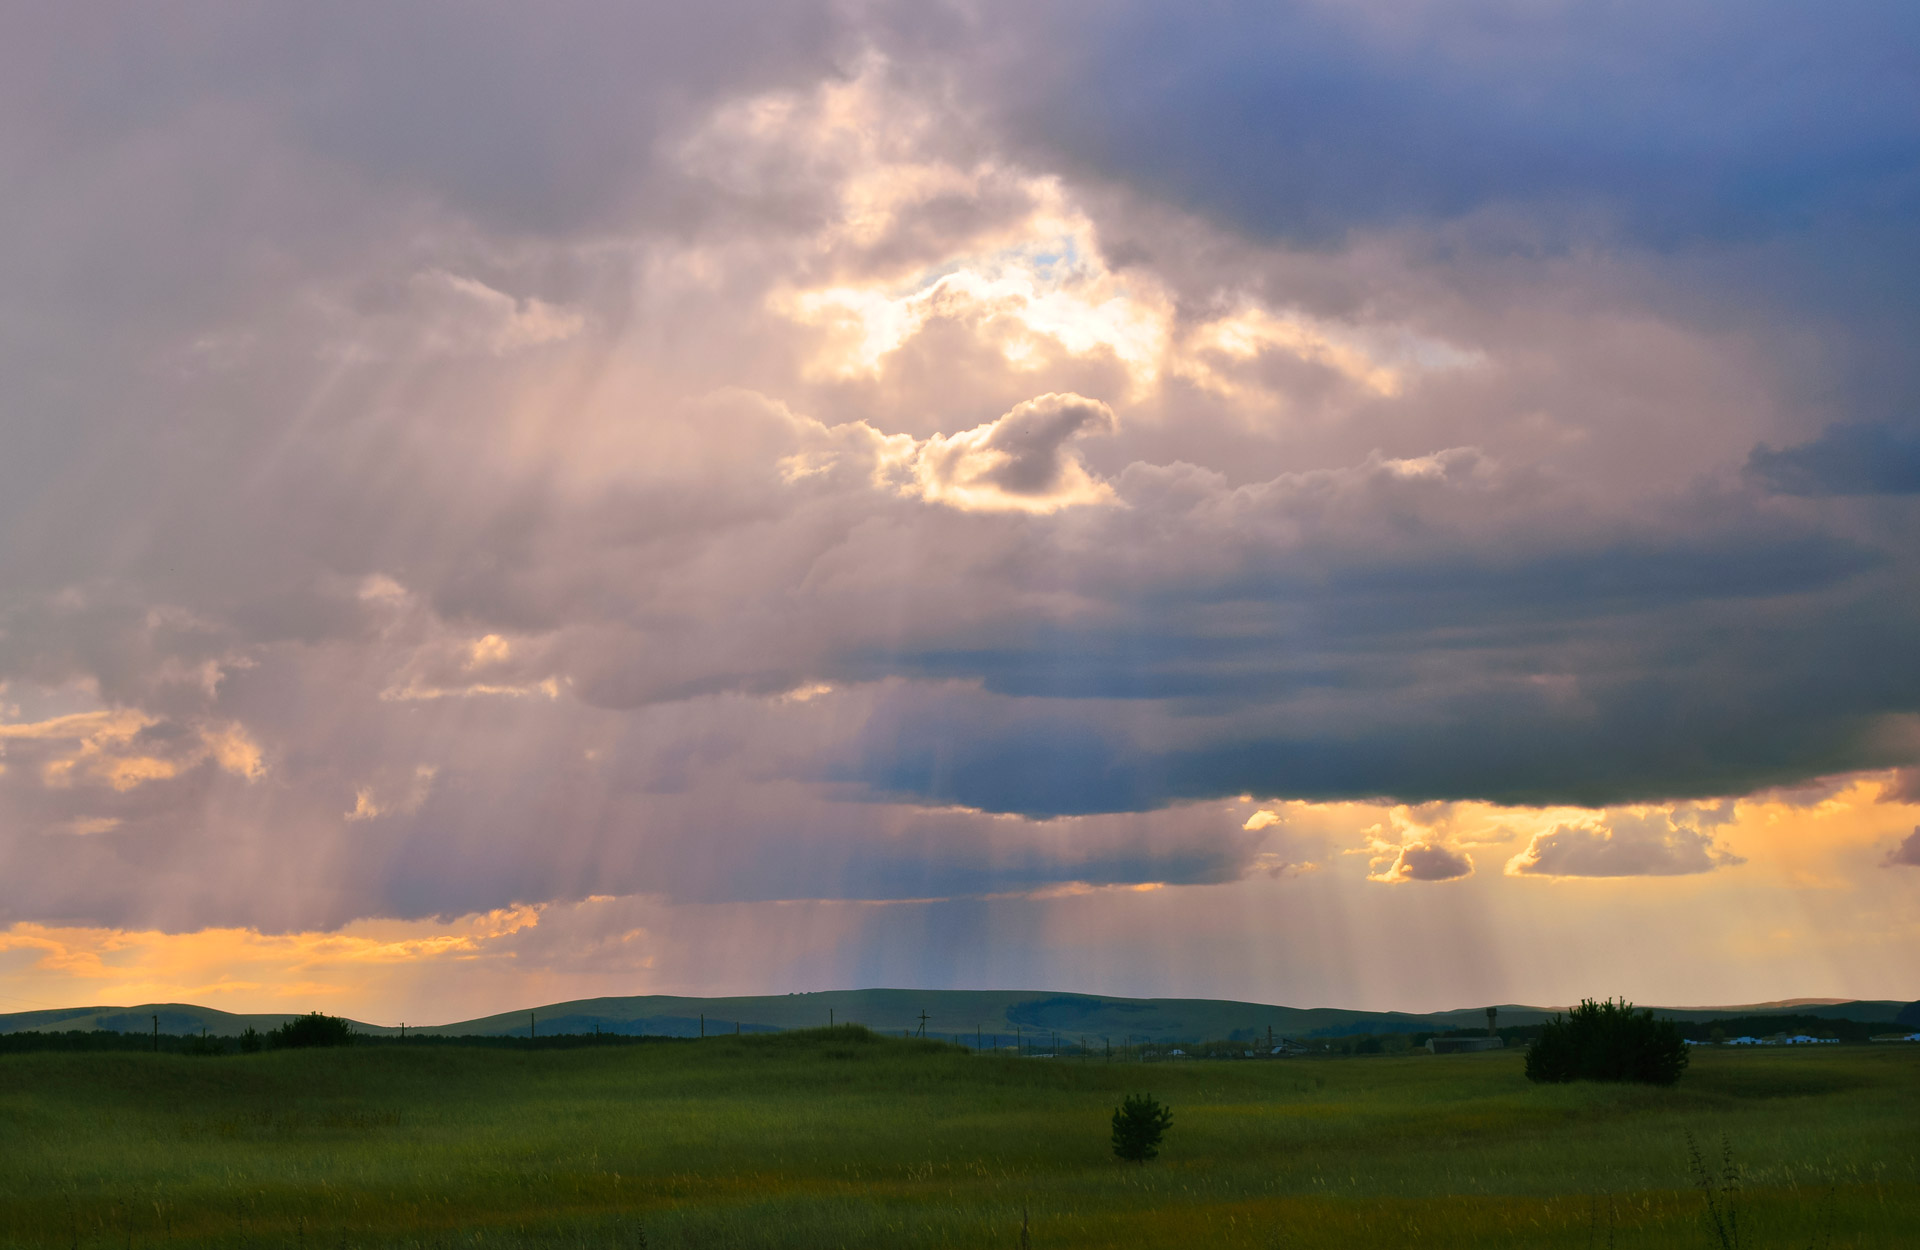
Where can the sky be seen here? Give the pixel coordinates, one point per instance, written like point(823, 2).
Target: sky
point(1393, 506)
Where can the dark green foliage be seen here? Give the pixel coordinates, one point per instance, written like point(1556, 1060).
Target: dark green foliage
point(1608, 1041)
point(1769, 1025)
point(204, 1045)
point(1138, 1125)
point(251, 1041)
point(74, 1039)
point(108, 1040)
point(312, 1029)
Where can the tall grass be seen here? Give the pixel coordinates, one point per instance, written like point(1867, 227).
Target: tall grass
point(844, 1139)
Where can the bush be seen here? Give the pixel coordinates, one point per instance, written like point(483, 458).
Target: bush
point(1608, 1041)
point(1138, 1125)
point(313, 1029)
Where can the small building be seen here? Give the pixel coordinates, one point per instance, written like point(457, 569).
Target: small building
point(1463, 1045)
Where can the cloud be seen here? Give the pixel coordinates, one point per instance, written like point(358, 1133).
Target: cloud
point(391, 794)
point(1426, 861)
point(1903, 787)
point(1845, 460)
point(1625, 844)
point(235, 750)
point(124, 748)
point(457, 314)
point(1312, 120)
point(1021, 461)
point(1907, 853)
point(87, 728)
point(839, 461)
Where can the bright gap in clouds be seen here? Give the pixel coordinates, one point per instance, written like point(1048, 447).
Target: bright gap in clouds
point(863, 490)
point(1319, 881)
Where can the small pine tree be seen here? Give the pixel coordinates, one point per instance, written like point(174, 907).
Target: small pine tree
point(1138, 1125)
point(251, 1041)
point(1608, 1041)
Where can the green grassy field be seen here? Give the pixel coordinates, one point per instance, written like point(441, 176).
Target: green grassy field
point(810, 1140)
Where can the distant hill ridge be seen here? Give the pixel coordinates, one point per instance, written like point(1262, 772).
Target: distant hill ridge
point(949, 1013)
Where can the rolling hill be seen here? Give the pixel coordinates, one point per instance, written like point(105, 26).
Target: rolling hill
point(969, 1014)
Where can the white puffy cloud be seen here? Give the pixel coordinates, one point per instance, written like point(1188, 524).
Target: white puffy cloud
point(1416, 843)
point(1624, 844)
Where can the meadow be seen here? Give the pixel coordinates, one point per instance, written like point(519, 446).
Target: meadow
point(847, 1139)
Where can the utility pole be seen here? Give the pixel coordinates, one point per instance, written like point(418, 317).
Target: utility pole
point(923, 1022)
point(529, 1026)
point(156, 1035)
point(703, 1024)
point(829, 1017)
point(1269, 1039)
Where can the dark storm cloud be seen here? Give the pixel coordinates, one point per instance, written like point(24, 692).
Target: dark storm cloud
point(1346, 661)
point(1672, 123)
point(1844, 460)
point(1671, 731)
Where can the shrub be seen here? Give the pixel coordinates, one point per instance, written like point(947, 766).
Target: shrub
point(1138, 1125)
point(313, 1029)
point(251, 1041)
point(1608, 1041)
